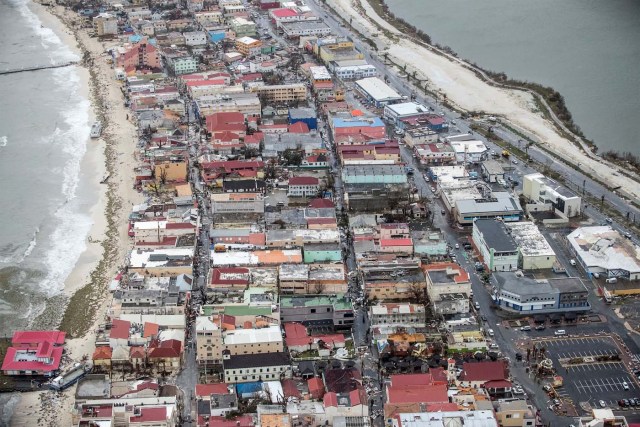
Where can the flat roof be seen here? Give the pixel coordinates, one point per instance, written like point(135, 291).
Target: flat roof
point(493, 167)
point(339, 302)
point(551, 185)
point(495, 235)
point(377, 89)
point(603, 247)
point(248, 336)
point(320, 72)
point(358, 170)
point(445, 418)
point(471, 147)
point(303, 25)
point(529, 239)
point(499, 202)
point(339, 122)
point(407, 108)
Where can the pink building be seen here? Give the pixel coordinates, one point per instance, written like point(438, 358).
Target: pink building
point(142, 55)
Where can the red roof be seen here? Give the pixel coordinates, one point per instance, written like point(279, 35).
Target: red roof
point(35, 337)
point(356, 397)
point(236, 276)
point(396, 242)
point(44, 349)
point(150, 415)
point(290, 388)
point(284, 13)
point(434, 393)
point(136, 352)
point(205, 390)
point(120, 329)
point(179, 225)
point(166, 349)
point(316, 387)
point(411, 379)
point(12, 361)
point(102, 353)
point(242, 421)
point(303, 180)
point(483, 371)
point(212, 82)
point(150, 329)
point(321, 203)
point(299, 127)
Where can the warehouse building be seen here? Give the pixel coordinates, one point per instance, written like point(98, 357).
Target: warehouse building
point(377, 91)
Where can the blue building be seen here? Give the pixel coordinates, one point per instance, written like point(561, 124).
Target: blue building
point(305, 115)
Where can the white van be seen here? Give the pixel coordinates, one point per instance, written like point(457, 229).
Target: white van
point(612, 280)
point(560, 332)
point(572, 262)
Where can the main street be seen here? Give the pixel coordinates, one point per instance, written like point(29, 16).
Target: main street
point(577, 180)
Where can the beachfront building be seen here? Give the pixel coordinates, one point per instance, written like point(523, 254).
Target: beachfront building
point(139, 56)
point(105, 24)
point(353, 69)
point(305, 28)
point(336, 49)
point(36, 353)
point(377, 91)
point(394, 113)
point(470, 151)
point(544, 191)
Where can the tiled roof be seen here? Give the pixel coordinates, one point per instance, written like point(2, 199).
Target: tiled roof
point(303, 180)
point(33, 337)
point(119, 329)
point(102, 353)
point(209, 389)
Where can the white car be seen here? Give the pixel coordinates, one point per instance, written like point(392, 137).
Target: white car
point(625, 385)
point(602, 403)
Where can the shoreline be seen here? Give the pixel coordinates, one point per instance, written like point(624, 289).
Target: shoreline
point(466, 91)
point(85, 291)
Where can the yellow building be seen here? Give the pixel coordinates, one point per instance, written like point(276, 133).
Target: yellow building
point(282, 93)
point(171, 171)
point(248, 46)
point(515, 413)
point(338, 51)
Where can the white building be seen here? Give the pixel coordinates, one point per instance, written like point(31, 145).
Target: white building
point(398, 314)
point(184, 65)
point(224, 203)
point(471, 151)
point(542, 190)
point(353, 69)
point(305, 28)
point(603, 251)
point(303, 186)
point(256, 367)
point(535, 251)
point(396, 112)
point(377, 91)
point(442, 418)
point(195, 38)
point(498, 249)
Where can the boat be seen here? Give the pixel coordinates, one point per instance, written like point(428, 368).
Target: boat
point(96, 130)
point(70, 377)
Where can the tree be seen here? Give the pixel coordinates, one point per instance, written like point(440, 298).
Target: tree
point(163, 174)
point(319, 288)
point(292, 157)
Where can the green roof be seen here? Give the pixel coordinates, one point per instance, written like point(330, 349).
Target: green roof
point(245, 310)
point(236, 310)
point(337, 301)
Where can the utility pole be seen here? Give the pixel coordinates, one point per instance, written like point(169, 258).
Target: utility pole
point(602, 202)
point(584, 185)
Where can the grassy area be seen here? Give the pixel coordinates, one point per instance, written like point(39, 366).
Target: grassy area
point(6, 382)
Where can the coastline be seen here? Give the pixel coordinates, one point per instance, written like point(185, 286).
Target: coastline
point(85, 290)
point(469, 92)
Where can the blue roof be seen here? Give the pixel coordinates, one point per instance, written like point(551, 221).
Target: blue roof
point(345, 123)
point(246, 388)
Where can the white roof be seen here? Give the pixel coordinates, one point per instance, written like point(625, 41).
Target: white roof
point(448, 418)
point(253, 336)
point(234, 258)
point(204, 323)
point(246, 40)
point(529, 239)
point(407, 108)
point(377, 89)
point(320, 72)
point(140, 259)
point(603, 247)
point(149, 225)
point(471, 146)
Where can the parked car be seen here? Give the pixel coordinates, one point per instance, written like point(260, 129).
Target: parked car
point(560, 332)
point(602, 403)
point(526, 328)
point(540, 328)
point(625, 385)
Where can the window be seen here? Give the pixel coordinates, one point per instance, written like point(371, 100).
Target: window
point(313, 310)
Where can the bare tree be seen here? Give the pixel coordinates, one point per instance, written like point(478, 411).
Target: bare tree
point(319, 288)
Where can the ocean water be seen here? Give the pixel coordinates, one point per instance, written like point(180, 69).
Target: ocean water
point(588, 50)
point(45, 192)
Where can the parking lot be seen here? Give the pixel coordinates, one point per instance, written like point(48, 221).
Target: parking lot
point(589, 383)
